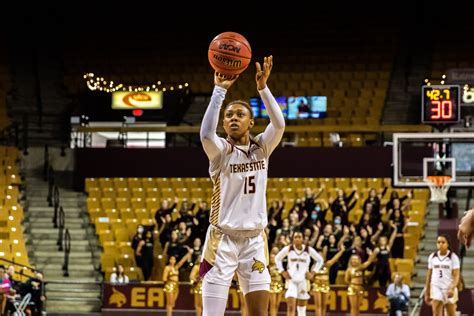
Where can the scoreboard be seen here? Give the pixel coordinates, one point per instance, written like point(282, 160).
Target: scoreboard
point(440, 104)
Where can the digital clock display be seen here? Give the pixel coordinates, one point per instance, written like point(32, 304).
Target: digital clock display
point(440, 104)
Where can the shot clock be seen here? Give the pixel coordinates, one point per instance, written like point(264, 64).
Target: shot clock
point(440, 104)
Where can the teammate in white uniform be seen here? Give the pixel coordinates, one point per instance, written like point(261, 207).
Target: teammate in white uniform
point(235, 240)
point(298, 273)
point(442, 279)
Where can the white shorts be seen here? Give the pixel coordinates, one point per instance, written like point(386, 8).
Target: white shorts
point(298, 290)
point(440, 294)
point(225, 255)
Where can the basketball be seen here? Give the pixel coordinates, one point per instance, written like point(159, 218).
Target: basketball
point(229, 53)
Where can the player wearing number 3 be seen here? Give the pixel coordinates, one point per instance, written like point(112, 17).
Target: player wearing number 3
point(235, 240)
point(442, 279)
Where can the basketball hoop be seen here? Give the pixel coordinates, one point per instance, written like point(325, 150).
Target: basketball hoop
point(439, 186)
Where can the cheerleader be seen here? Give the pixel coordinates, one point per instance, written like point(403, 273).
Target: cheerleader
point(442, 279)
point(171, 278)
point(320, 286)
point(355, 279)
point(196, 286)
point(276, 286)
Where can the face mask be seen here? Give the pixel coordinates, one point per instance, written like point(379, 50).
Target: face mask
point(140, 230)
point(317, 208)
point(337, 221)
point(314, 216)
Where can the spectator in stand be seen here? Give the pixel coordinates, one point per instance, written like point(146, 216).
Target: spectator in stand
point(138, 236)
point(382, 252)
point(173, 247)
point(5, 286)
point(310, 198)
point(34, 287)
point(14, 290)
point(374, 199)
point(184, 232)
point(165, 209)
point(186, 214)
point(166, 229)
point(400, 222)
point(275, 211)
point(145, 252)
point(197, 249)
point(398, 295)
point(119, 276)
point(323, 239)
point(394, 196)
point(329, 252)
point(202, 216)
point(284, 230)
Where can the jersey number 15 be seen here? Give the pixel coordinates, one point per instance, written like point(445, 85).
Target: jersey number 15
point(249, 185)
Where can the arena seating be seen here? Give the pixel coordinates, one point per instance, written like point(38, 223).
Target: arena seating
point(12, 242)
point(117, 206)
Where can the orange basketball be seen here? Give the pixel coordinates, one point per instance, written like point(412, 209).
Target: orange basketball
point(229, 53)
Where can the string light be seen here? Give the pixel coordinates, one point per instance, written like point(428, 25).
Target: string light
point(99, 83)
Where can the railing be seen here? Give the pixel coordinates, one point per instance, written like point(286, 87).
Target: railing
point(67, 250)
point(20, 265)
point(55, 205)
point(61, 222)
point(50, 179)
point(418, 303)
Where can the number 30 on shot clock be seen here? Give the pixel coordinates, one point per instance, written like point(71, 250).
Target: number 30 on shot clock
point(440, 104)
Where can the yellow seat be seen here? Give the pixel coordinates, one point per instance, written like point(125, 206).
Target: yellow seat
point(93, 203)
point(126, 213)
point(142, 213)
point(148, 183)
point(167, 193)
point(182, 193)
point(121, 234)
point(162, 183)
point(101, 224)
point(106, 183)
point(376, 183)
point(112, 213)
point(123, 202)
point(91, 183)
point(137, 203)
point(124, 193)
point(177, 183)
point(107, 203)
point(95, 192)
point(134, 183)
point(342, 183)
point(153, 193)
point(108, 192)
point(120, 183)
point(107, 261)
point(198, 194)
point(191, 183)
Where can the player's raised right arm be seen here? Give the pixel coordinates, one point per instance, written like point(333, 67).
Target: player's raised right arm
point(212, 144)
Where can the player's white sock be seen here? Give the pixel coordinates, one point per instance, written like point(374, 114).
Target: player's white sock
point(398, 313)
point(301, 310)
point(214, 299)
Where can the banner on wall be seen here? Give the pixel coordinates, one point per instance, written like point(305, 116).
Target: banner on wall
point(149, 297)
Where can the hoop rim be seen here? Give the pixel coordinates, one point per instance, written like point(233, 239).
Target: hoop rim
point(438, 181)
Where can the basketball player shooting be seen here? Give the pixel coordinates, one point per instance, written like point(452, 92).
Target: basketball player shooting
point(235, 240)
point(466, 228)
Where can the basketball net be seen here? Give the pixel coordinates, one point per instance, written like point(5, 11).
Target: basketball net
point(439, 186)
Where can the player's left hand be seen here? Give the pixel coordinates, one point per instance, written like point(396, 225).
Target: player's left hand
point(309, 275)
point(262, 74)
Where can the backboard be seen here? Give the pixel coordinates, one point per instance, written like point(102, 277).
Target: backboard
point(419, 156)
